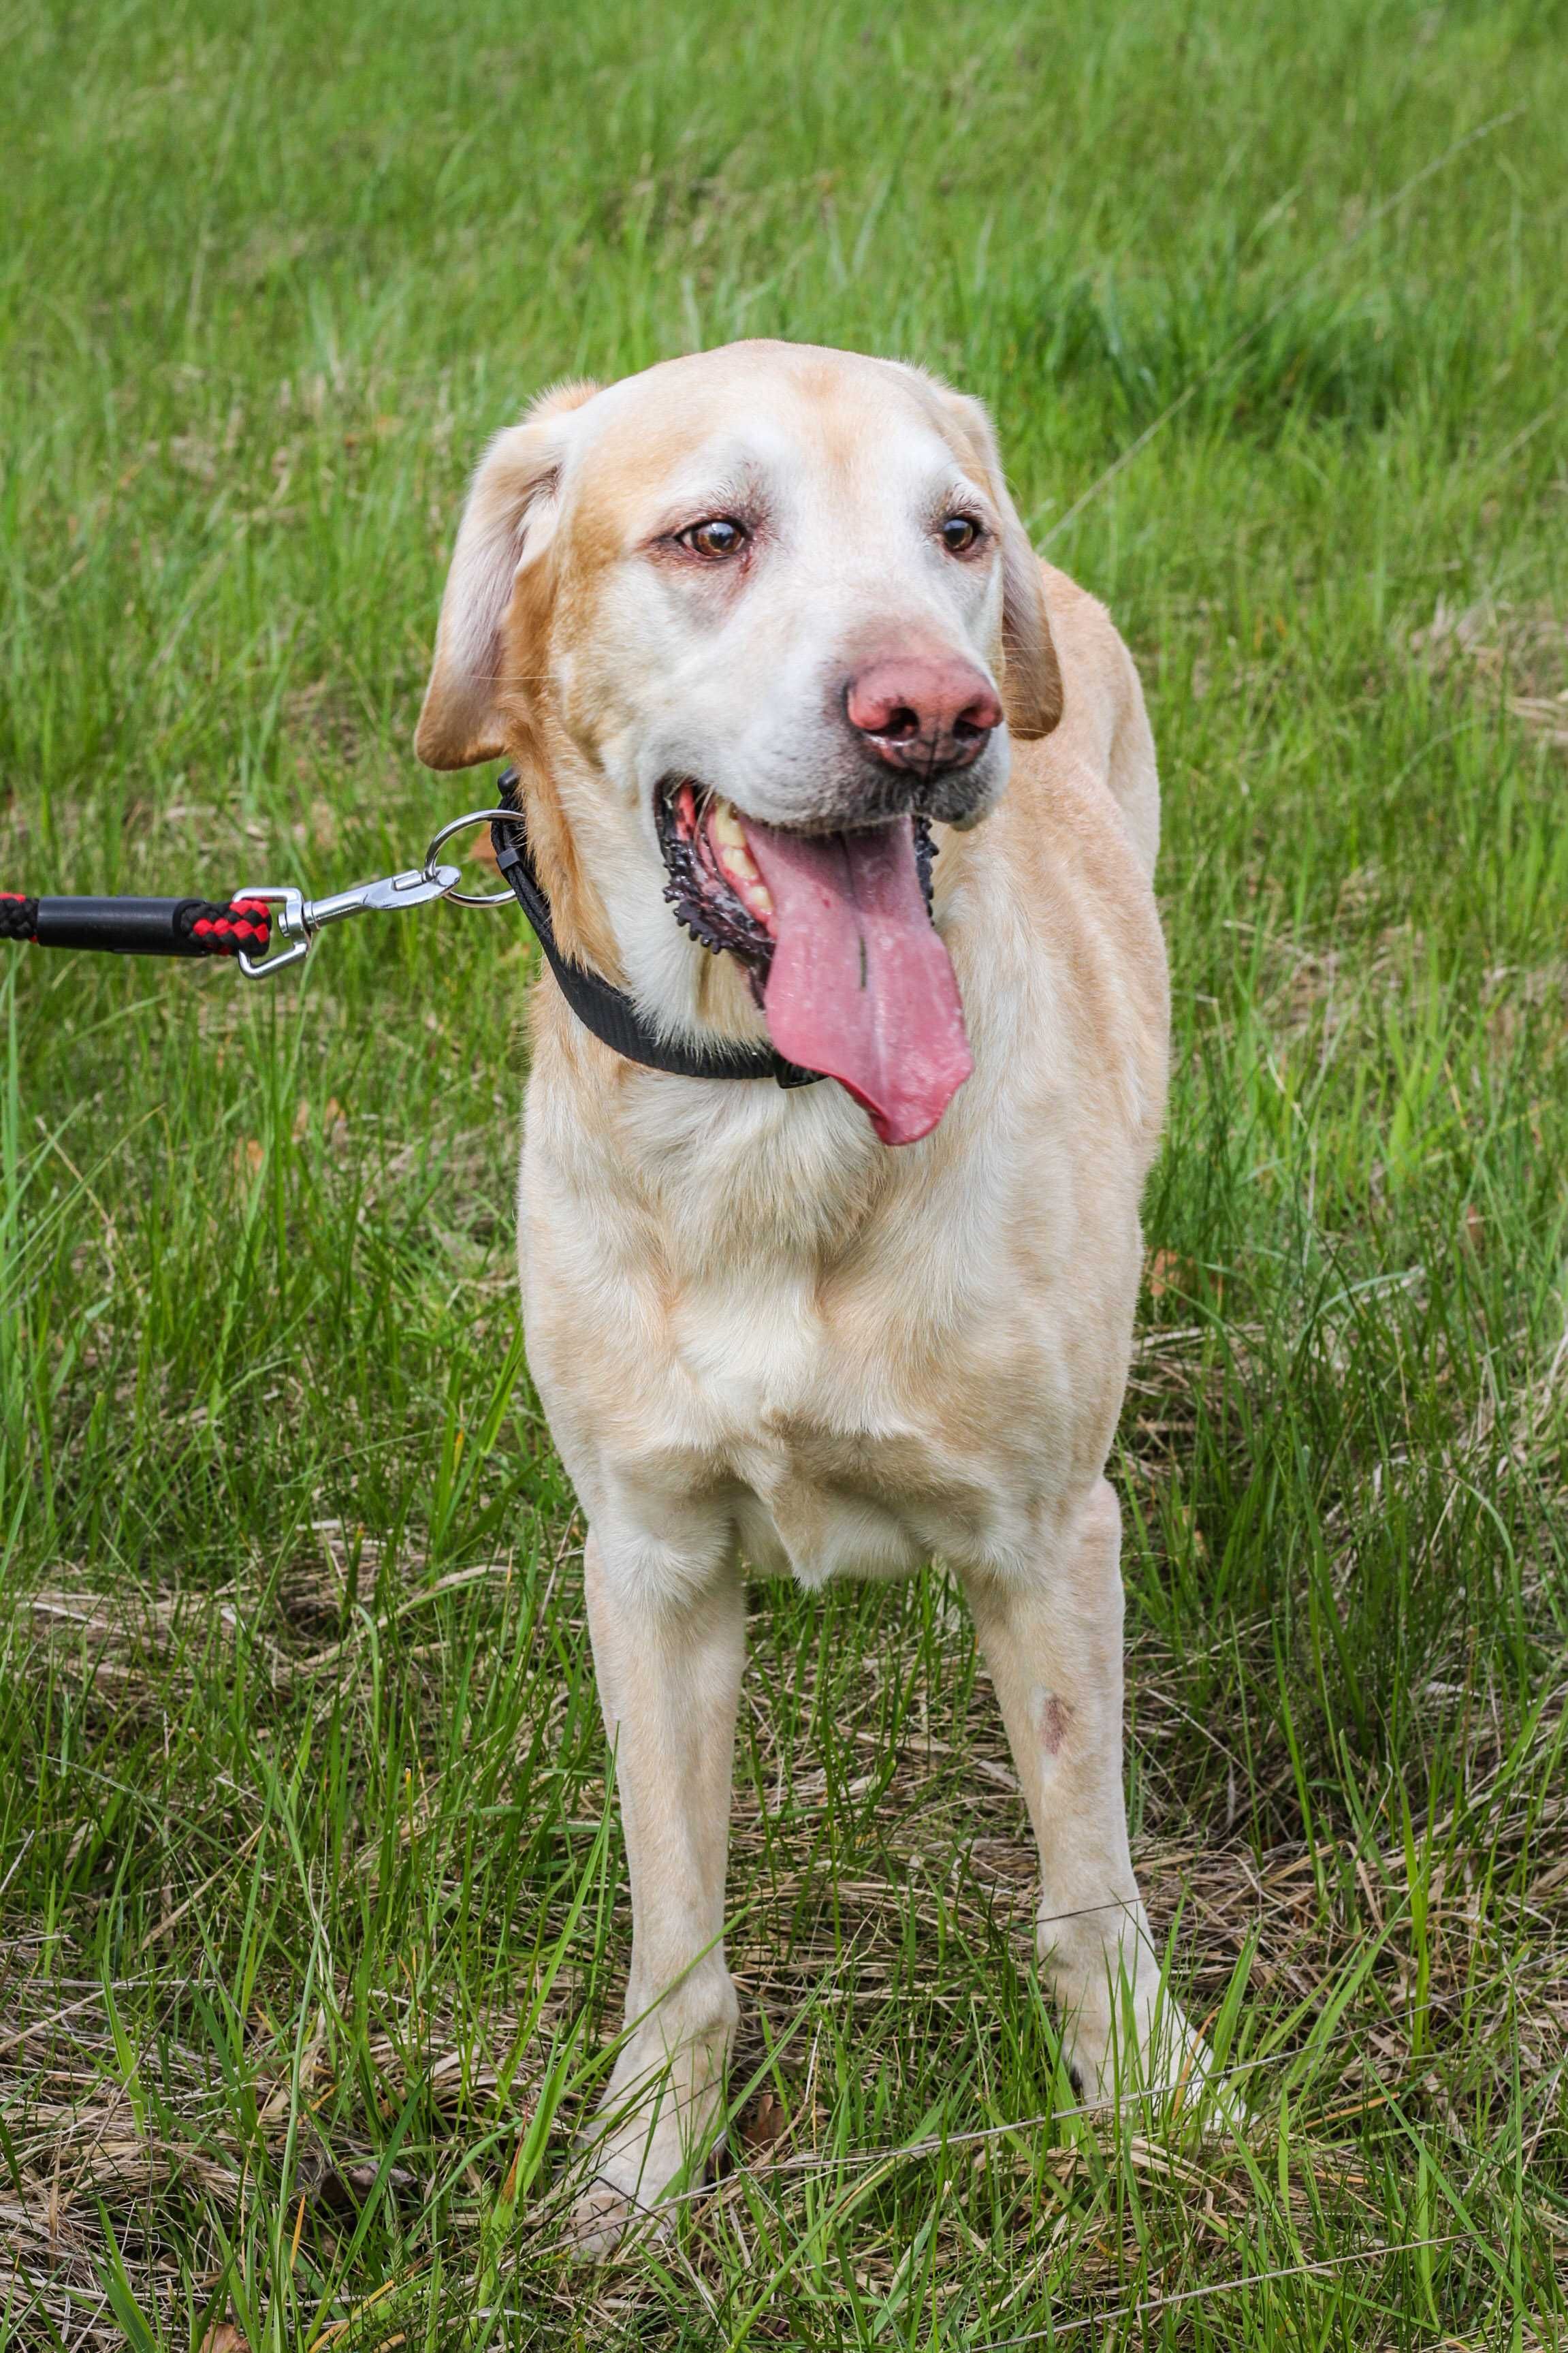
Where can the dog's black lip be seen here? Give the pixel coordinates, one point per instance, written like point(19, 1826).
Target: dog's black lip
point(703, 902)
point(707, 907)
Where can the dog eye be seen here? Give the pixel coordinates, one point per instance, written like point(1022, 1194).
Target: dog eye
point(718, 537)
point(958, 533)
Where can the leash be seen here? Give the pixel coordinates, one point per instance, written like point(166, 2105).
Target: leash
point(266, 927)
point(176, 927)
point(241, 927)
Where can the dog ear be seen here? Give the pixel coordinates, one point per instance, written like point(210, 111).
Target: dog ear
point(506, 530)
point(1031, 676)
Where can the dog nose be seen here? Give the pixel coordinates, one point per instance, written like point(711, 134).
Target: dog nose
point(925, 711)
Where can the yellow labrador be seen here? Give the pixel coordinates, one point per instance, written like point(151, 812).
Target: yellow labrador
point(766, 641)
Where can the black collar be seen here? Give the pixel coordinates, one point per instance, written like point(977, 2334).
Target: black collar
point(609, 1012)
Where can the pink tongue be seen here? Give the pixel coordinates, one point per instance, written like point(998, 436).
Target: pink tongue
point(861, 987)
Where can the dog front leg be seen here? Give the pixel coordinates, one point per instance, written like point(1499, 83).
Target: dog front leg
point(1053, 1644)
point(668, 1636)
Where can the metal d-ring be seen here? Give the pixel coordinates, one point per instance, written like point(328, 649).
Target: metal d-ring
point(474, 816)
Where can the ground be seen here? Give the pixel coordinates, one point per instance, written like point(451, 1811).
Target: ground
point(311, 1895)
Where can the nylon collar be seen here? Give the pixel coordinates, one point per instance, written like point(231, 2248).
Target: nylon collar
point(607, 1011)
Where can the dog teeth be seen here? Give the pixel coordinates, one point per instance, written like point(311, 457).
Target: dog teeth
point(727, 840)
point(734, 857)
point(727, 829)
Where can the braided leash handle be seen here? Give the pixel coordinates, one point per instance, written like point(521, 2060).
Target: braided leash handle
point(224, 927)
point(173, 927)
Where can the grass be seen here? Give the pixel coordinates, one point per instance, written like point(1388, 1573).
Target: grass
point(311, 1886)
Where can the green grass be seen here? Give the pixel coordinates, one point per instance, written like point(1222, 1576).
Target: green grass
point(312, 1893)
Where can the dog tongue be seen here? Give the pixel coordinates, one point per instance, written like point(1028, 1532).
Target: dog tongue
point(862, 987)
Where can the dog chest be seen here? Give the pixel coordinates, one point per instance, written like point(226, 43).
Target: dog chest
point(826, 1446)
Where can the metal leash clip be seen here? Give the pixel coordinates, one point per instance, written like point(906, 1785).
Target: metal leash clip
point(298, 919)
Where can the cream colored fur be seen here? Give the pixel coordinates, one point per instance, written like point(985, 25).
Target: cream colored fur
point(763, 1338)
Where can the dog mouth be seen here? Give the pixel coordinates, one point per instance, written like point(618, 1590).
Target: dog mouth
point(715, 885)
point(835, 933)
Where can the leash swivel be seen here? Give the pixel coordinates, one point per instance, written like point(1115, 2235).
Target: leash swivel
point(298, 919)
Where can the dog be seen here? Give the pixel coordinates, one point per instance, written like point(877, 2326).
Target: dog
point(769, 647)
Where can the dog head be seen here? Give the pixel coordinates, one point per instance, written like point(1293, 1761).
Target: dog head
point(747, 623)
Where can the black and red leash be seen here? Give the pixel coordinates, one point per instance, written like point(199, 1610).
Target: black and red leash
point(263, 928)
point(173, 927)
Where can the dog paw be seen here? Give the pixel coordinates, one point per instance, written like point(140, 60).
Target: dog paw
point(625, 2176)
point(601, 2218)
point(1166, 2068)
